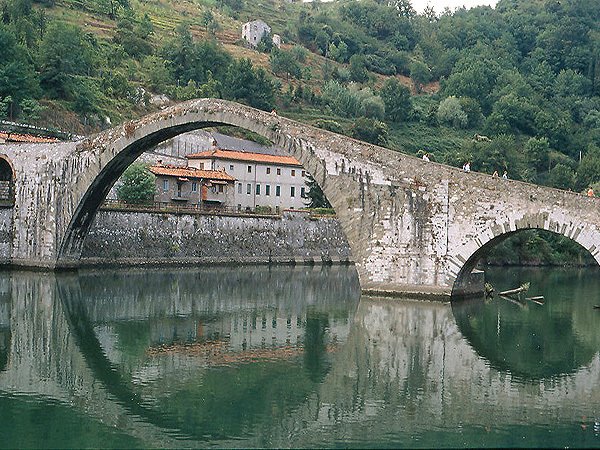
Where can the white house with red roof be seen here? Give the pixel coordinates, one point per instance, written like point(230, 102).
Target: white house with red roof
point(192, 186)
point(262, 180)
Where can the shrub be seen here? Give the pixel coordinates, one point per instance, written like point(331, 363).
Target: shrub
point(137, 185)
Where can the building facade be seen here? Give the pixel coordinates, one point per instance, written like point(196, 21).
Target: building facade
point(191, 186)
point(262, 180)
point(254, 31)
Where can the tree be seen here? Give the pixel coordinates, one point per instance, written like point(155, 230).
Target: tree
point(208, 20)
point(420, 74)
point(473, 77)
point(562, 177)
point(138, 185)
point(396, 97)
point(537, 153)
point(18, 80)
point(315, 195)
point(284, 63)
point(370, 130)
point(64, 53)
point(588, 171)
point(245, 84)
point(358, 71)
point(450, 112)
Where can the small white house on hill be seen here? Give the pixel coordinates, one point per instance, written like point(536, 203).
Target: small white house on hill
point(254, 31)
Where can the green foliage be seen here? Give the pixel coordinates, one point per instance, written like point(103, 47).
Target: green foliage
point(420, 74)
point(18, 80)
point(64, 54)
point(537, 153)
point(396, 97)
point(588, 171)
point(285, 63)
point(330, 125)
point(352, 101)
point(562, 177)
point(539, 247)
point(358, 70)
point(450, 112)
point(473, 111)
point(338, 52)
point(314, 194)
point(137, 185)
point(265, 45)
point(245, 84)
point(474, 78)
point(370, 130)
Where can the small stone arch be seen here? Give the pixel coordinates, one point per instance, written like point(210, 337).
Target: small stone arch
point(7, 182)
point(466, 260)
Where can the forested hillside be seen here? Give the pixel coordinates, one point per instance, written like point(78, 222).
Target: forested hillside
point(524, 78)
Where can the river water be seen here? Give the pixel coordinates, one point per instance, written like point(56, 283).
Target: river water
point(293, 357)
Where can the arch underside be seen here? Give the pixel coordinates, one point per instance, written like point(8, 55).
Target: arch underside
point(102, 184)
point(484, 248)
point(120, 147)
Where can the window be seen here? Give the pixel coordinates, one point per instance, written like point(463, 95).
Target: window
point(268, 189)
point(249, 169)
point(221, 188)
point(293, 173)
point(248, 189)
point(292, 191)
point(268, 170)
point(214, 189)
point(277, 191)
point(165, 185)
point(239, 188)
point(303, 192)
point(194, 186)
point(258, 189)
point(304, 173)
point(278, 171)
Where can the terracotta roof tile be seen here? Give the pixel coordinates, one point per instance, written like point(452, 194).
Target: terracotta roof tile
point(246, 156)
point(16, 137)
point(190, 172)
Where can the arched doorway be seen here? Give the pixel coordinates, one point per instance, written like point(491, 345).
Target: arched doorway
point(7, 183)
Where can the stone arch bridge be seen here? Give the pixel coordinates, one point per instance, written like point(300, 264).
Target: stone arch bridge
point(412, 225)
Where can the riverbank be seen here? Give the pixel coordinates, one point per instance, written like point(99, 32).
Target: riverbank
point(123, 238)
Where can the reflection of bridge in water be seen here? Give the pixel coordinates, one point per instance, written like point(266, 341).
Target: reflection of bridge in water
point(60, 340)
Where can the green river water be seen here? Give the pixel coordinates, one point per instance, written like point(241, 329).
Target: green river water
point(294, 357)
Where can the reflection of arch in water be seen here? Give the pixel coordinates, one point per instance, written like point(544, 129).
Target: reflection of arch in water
point(81, 315)
point(530, 344)
point(470, 255)
point(7, 182)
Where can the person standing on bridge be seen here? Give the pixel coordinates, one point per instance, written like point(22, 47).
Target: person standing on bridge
point(590, 192)
point(505, 175)
point(467, 166)
point(425, 157)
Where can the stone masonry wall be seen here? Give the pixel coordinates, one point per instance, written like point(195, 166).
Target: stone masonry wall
point(6, 220)
point(118, 237)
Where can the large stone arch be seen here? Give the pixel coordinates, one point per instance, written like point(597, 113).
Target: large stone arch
point(100, 160)
point(467, 258)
